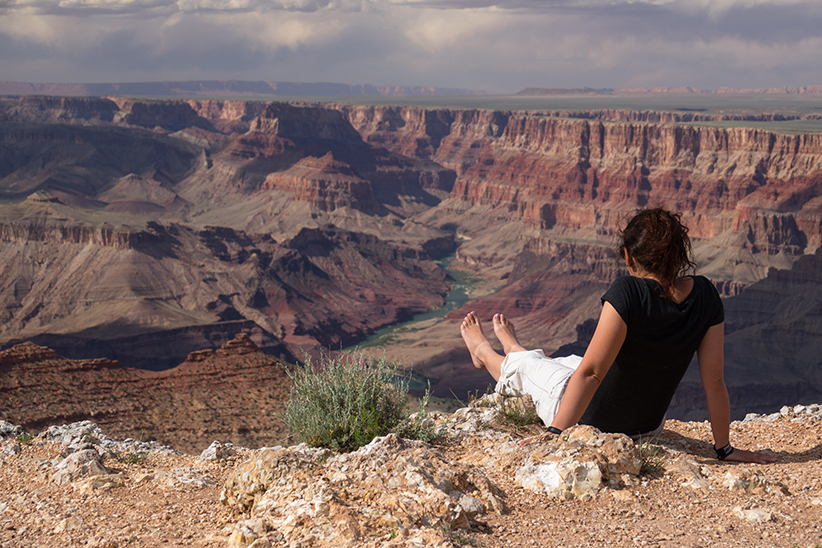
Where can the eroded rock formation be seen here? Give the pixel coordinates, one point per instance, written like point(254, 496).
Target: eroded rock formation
point(234, 393)
point(533, 199)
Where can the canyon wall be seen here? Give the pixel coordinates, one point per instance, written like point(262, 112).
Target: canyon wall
point(571, 172)
point(346, 207)
point(149, 297)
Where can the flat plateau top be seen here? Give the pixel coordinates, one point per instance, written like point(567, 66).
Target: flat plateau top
point(708, 104)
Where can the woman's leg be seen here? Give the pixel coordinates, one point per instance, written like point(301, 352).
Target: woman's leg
point(483, 356)
point(520, 371)
point(504, 330)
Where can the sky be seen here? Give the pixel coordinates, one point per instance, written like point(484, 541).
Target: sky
point(495, 46)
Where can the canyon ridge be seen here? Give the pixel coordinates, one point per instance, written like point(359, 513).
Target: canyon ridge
point(142, 230)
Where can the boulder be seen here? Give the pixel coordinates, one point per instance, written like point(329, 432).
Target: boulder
point(389, 485)
point(9, 430)
point(85, 462)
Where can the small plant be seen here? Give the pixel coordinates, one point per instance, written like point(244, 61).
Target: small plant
point(475, 395)
point(465, 540)
point(458, 538)
point(132, 457)
point(652, 455)
point(25, 438)
point(346, 402)
point(518, 411)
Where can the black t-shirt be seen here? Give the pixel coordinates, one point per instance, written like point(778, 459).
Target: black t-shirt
point(661, 340)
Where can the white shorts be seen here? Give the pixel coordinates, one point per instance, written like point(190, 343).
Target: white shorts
point(544, 379)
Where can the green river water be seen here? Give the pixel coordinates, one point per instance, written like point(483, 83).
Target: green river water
point(457, 297)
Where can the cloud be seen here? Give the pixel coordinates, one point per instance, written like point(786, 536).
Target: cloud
point(77, 7)
point(500, 46)
point(707, 6)
point(148, 8)
point(259, 6)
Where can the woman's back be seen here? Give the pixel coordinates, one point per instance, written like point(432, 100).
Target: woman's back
point(661, 340)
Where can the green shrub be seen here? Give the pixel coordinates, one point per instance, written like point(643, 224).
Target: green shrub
point(25, 438)
point(345, 402)
point(132, 457)
point(517, 410)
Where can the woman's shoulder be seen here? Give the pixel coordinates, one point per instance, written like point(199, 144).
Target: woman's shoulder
point(711, 303)
point(627, 289)
point(625, 281)
point(704, 284)
point(707, 288)
point(621, 285)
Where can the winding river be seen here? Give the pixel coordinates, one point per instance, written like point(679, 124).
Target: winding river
point(457, 297)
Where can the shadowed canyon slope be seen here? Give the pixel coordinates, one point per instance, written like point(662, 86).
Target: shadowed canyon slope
point(130, 227)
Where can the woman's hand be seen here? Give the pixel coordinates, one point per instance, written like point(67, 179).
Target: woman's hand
point(740, 455)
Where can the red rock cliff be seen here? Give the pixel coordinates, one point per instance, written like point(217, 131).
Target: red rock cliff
point(575, 173)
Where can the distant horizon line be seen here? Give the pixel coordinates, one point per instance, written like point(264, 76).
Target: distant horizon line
point(784, 90)
point(261, 88)
point(251, 88)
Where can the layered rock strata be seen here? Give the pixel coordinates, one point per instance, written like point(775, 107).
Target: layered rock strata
point(534, 199)
point(234, 393)
point(187, 289)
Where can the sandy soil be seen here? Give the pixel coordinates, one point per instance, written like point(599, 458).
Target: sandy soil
point(173, 500)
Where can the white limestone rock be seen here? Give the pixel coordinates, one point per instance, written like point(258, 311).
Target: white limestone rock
point(86, 462)
point(389, 485)
point(753, 515)
point(564, 479)
point(689, 472)
point(219, 451)
point(743, 479)
point(81, 435)
point(10, 448)
point(9, 430)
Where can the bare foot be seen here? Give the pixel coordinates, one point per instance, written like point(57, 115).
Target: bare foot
point(507, 335)
point(474, 338)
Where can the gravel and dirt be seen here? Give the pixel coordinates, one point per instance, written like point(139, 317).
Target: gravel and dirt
point(167, 499)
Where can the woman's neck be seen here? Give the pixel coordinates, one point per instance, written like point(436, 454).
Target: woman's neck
point(640, 273)
point(680, 289)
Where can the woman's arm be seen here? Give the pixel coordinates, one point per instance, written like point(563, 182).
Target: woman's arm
point(600, 355)
point(712, 372)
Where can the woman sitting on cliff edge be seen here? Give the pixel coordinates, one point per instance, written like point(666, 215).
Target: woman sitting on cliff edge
point(651, 324)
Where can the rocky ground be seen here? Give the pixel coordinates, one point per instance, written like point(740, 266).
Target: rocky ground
point(484, 482)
